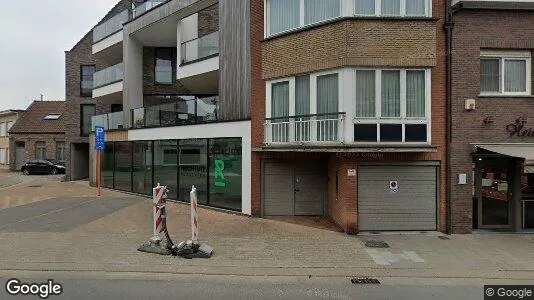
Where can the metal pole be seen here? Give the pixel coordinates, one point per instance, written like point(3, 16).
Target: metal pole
point(98, 172)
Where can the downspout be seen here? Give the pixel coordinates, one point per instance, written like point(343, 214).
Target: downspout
point(448, 27)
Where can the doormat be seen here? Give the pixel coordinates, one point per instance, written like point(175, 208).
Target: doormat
point(376, 244)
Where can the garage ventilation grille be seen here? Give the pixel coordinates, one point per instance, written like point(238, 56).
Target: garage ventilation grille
point(364, 280)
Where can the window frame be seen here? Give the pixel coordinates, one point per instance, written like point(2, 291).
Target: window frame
point(63, 151)
point(402, 10)
point(3, 129)
point(82, 134)
point(503, 56)
point(81, 80)
point(37, 143)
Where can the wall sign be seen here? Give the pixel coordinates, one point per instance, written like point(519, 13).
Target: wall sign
point(351, 172)
point(518, 129)
point(393, 186)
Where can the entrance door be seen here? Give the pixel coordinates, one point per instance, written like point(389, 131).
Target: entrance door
point(19, 155)
point(494, 193)
point(294, 189)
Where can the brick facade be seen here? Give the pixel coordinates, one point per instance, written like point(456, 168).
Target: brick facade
point(473, 31)
point(149, 81)
point(29, 145)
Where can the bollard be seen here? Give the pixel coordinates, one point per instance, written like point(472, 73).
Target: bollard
point(194, 221)
point(160, 199)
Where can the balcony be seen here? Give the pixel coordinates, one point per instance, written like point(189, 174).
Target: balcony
point(109, 34)
point(111, 121)
point(315, 129)
point(146, 6)
point(184, 112)
point(200, 48)
point(108, 81)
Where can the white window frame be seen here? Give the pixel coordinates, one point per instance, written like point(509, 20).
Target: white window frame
point(502, 56)
point(402, 11)
point(403, 119)
point(3, 129)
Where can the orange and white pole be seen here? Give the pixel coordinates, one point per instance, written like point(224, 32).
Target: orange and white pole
point(194, 221)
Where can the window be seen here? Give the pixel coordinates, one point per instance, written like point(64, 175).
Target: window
point(163, 65)
point(52, 117)
point(40, 150)
point(225, 173)
point(87, 112)
point(400, 8)
point(3, 129)
point(61, 148)
point(505, 73)
point(9, 125)
point(391, 106)
point(2, 156)
point(86, 81)
point(284, 15)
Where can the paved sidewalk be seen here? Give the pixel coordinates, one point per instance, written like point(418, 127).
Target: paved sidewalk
point(104, 239)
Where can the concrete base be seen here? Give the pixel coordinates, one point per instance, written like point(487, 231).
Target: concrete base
point(155, 245)
point(191, 249)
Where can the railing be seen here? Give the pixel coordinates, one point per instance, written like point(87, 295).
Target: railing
point(201, 47)
point(108, 76)
point(306, 128)
point(184, 112)
point(110, 121)
point(110, 26)
point(146, 6)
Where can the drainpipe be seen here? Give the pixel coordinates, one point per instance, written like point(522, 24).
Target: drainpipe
point(448, 27)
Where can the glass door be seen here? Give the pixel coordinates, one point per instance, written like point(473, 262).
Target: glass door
point(527, 199)
point(494, 195)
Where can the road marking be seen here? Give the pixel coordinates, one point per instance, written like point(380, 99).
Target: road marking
point(385, 258)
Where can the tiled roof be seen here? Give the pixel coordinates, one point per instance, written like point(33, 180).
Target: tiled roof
point(32, 121)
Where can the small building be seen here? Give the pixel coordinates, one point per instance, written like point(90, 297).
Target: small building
point(7, 119)
point(38, 134)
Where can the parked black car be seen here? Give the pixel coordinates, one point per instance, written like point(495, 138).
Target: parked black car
point(43, 166)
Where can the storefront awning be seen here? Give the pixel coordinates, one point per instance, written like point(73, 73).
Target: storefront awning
point(523, 150)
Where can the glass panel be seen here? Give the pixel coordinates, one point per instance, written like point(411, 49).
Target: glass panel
point(283, 15)
point(391, 7)
point(225, 173)
point(142, 167)
point(327, 102)
point(391, 94)
point(88, 111)
point(391, 133)
point(489, 75)
point(415, 7)
point(166, 165)
point(320, 10)
point(110, 26)
point(365, 7)
point(109, 75)
point(280, 108)
point(194, 169)
point(123, 166)
point(365, 94)
point(365, 133)
point(515, 72)
point(415, 133)
point(415, 94)
point(527, 198)
point(302, 107)
point(495, 196)
point(163, 68)
point(202, 47)
point(108, 165)
point(208, 109)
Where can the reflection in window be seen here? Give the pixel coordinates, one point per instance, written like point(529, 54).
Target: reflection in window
point(166, 165)
point(108, 163)
point(193, 169)
point(225, 173)
point(163, 67)
point(142, 167)
point(123, 166)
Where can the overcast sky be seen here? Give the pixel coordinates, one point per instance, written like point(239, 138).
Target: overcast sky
point(34, 36)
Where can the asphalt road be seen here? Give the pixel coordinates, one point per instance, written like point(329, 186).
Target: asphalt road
point(220, 287)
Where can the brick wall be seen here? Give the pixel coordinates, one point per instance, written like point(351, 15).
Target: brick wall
point(29, 145)
point(149, 85)
point(208, 20)
point(473, 31)
point(355, 42)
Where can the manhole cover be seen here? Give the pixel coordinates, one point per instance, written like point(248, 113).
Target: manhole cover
point(442, 237)
point(34, 185)
point(364, 280)
point(376, 244)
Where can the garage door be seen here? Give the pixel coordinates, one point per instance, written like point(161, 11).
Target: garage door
point(412, 206)
point(294, 189)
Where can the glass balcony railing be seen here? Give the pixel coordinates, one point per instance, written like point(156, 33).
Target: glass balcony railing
point(146, 6)
point(108, 76)
point(111, 121)
point(110, 26)
point(200, 48)
point(182, 112)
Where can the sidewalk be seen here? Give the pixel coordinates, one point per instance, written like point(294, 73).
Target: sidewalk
point(246, 246)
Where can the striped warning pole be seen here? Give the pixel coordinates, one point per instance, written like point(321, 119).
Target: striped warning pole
point(194, 221)
point(159, 194)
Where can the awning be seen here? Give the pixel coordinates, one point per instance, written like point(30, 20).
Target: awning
point(523, 150)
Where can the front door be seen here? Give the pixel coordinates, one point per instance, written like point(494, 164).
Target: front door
point(19, 155)
point(493, 191)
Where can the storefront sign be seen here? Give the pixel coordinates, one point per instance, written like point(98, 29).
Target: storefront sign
point(518, 129)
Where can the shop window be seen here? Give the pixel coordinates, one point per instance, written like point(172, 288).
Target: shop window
point(123, 166)
point(142, 167)
point(166, 165)
point(225, 173)
point(108, 166)
point(193, 158)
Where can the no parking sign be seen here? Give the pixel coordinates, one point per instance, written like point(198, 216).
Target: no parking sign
point(393, 186)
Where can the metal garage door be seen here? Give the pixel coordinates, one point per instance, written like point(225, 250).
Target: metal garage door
point(294, 189)
point(411, 207)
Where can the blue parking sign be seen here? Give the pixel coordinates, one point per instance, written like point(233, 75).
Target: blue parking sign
point(100, 138)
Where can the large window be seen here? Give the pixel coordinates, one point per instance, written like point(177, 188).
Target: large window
point(193, 158)
point(108, 166)
point(163, 65)
point(408, 8)
point(225, 173)
point(142, 167)
point(40, 150)
point(166, 165)
point(505, 73)
point(123, 166)
point(86, 81)
point(87, 112)
point(61, 151)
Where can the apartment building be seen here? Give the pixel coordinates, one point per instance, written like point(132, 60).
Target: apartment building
point(181, 70)
point(7, 119)
point(39, 133)
point(492, 158)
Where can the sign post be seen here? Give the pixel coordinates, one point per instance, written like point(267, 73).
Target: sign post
point(100, 144)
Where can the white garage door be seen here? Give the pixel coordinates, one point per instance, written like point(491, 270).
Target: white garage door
point(412, 206)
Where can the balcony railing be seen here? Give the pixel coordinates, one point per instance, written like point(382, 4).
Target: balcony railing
point(108, 76)
point(200, 48)
point(318, 128)
point(146, 6)
point(110, 26)
point(185, 112)
point(110, 121)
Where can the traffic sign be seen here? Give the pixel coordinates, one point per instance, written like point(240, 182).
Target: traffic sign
point(100, 138)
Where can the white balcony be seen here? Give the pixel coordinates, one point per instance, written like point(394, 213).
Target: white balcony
point(108, 81)
point(109, 33)
point(320, 129)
